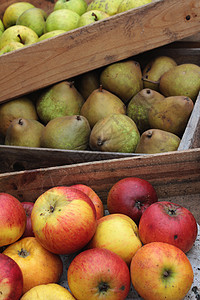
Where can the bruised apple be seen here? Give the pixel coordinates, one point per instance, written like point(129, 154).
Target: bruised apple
point(63, 219)
point(131, 196)
point(28, 206)
point(168, 222)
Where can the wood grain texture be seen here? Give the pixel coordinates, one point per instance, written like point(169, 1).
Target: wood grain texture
point(89, 47)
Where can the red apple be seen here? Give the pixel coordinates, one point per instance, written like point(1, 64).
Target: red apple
point(12, 219)
point(168, 222)
point(98, 274)
point(63, 219)
point(11, 279)
point(93, 196)
point(131, 196)
point(28, 206)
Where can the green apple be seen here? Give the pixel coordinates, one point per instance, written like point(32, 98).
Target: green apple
point(79, 6)
point(50, 34)
point(129, 4)
point(13, 11)
point(108, 6)
point(91, 16)
point(11, 47)
point(33, 18)
point(18, 33)
point(64, 19)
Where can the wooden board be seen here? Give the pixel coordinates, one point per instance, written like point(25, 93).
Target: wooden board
point(89, 47)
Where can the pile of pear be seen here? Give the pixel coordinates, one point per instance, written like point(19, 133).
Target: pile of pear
point(24, 24)
point(120, 107)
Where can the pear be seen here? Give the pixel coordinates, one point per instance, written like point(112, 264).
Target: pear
point(88, 82)
point(139, 105)
point(115, 133)
point(130, 4)
point(68, 132)
point(79, 6)
point(108, 6)
point(61, 99)
point(24, 132)
point(50, 34)
point(183, 80)
point(171, 114)
point(11, 47)
point(21, 107)
point(91, 16)
point(100, 104)
point(62, 19)
point(124, 79)
point(153, 71)
point(157, 141)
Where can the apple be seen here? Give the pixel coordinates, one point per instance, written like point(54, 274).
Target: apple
point(18, 33)
point(130, 4)
point(50, 34)
point(131, 196)
point(98, 274)
point(47, 291)
point(33, 18)
point(11, 47)
point(12, 219)
point(168, 222)
point(63, 219)
point(62, 19)
point(79, 6)
point(13, 11)
point(38, 265)
point(11, 280)
point(93, 196)
point(118, 233)
point(28, 206)
point(91, 16)
point(161, 271)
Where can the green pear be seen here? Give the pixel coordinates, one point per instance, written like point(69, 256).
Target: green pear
point(33, 18)
point(100, 104)
point(21, 107)
point(2, 28)
point(68, 132)
point(182, 80)
point(64, 19)
point(130, 4)
point(61, 99)
point(79, 6)
point(13, 11)
point(91, 16)
point(24, 132)
point(11, 47)
point(153, 71)
point(108, 6)
point(20, 34)
point(88, 82)
point(139, 105)
point(50, 34)
point(157, 141)
point(123, 79)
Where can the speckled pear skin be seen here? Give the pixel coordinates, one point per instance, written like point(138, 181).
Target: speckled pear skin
point(139, 105)
point(182, 80)
point(157, 141)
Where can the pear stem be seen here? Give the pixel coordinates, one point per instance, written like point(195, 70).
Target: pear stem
point(151, 81)
point(95, 16)
point(100, 88)
point(19, 36)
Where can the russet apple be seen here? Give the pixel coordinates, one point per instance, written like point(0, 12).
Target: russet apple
point(28, 206)
point(11, 280)
point(118, 233)
point(98, 274)
point(168, 222)
point(160, 271)
point(12, 219)
point(63, 219)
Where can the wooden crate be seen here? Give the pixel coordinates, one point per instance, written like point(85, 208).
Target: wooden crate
point(118, 37)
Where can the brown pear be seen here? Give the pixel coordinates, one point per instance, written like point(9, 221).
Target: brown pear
point(100, 104)
point(157, 141)
point(139, 105)
point(88, 82)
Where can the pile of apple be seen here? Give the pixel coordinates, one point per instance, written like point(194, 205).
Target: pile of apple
point(24, 24)
point(138, 240)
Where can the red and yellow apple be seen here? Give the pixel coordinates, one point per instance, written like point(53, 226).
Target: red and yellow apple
point(93, 196)
point(98, 274)
point(131, 196)
point(11, 280)
point(118, 233)
point(38, 265)
point(160, 271)
point(168, 222)
point(63, 219)
point(28, 206)
point(12, 219)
